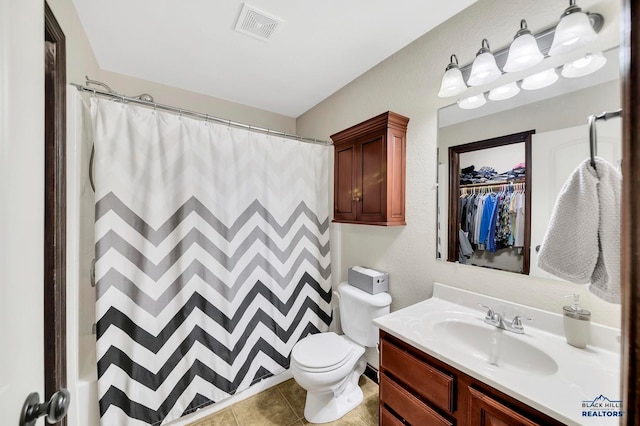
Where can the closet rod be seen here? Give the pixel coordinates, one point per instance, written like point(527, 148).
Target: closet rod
point(593, 137)
point(206, 117)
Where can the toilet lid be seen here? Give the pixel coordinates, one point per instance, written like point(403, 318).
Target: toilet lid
point(321, 351)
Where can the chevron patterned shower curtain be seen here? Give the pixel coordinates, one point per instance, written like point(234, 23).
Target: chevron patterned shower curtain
point(212, 259)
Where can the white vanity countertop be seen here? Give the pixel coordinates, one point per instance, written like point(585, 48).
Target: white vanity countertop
point(538, 368)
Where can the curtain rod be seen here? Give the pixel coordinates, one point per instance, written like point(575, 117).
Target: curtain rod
point(206, 117)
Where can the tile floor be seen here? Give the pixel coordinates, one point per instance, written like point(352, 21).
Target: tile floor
point(283, 405)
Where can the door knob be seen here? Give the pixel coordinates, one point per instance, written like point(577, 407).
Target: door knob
point(54, 410)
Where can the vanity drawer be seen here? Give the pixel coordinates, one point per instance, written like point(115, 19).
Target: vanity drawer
point(388, 419)
point(426, 380)
point(410, 408)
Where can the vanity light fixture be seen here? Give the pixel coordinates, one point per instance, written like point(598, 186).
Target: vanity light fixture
point(473, 102)
point(452, 81)
point(586, 65)
point(540, 80)
point(507, 91)
point(484, 69)
point(573, 31)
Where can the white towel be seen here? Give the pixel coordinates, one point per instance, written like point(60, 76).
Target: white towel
point(582, 242)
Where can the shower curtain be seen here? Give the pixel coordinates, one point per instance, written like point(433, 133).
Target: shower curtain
point(212, 259)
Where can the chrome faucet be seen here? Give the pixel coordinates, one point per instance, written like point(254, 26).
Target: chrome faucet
point(497, 320)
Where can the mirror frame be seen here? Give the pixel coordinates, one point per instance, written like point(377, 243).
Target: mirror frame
point(454, 190)
point(630, 244)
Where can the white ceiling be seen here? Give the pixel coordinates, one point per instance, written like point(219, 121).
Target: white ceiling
point(320, 47)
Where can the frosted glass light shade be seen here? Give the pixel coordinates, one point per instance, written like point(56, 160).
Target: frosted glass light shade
point(523, 54)
point(507, 91)
point(473, 102)
point(573, 32)
point(541, 80)
point(452, 83)
point(484, 69)
point(590, 63)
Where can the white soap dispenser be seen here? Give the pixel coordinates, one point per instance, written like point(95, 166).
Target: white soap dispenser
point(577, 323)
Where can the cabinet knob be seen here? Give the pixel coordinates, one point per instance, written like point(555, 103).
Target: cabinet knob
point(356, 198)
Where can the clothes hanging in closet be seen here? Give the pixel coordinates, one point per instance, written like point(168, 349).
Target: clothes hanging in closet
point(493, 220)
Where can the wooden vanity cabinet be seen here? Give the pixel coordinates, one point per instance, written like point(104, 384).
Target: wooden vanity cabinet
point(370, 170)
point(418, 389)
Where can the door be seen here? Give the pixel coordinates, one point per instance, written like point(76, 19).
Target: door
point(22, 206)
point(32, 213)
point(560, 152)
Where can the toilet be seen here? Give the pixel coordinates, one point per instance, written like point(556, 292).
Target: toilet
point(329, 366)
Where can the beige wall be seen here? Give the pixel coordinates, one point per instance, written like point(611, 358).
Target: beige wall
point(408, 83)
point(197, 102)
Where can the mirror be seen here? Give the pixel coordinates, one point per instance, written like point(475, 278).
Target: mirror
point(491, 224)
point(480, 152)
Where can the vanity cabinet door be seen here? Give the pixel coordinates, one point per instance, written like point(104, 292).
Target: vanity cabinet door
point(486, 411)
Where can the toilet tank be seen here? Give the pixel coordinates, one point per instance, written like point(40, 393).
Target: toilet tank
point(357, 312)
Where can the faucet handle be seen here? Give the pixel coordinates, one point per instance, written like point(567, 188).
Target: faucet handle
point(490, 311)
point(516, 322)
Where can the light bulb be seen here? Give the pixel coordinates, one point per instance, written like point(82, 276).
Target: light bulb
point(507, 91)
point(473, 102)
point(524, 51)
point(484, 69)
point(540, 80)
point(586, 65)
point(573, 31)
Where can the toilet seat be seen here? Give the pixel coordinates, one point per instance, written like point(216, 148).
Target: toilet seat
point(321, 352)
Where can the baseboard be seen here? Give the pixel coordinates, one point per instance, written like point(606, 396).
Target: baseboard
point(371, 373)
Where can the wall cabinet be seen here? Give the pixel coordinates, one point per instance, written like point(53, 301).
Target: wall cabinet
point(417, 389)
point(370, 170)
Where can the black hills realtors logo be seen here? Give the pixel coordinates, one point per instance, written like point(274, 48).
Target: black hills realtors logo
point(602, 407)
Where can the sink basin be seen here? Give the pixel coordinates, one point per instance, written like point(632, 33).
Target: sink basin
point(495, 346)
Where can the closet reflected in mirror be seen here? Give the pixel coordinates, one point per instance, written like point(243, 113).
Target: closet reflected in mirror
point(490, 203)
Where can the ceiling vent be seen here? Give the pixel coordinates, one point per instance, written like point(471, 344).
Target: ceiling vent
point(256, 23)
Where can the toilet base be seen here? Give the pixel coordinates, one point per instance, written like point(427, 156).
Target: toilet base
point(325, 407)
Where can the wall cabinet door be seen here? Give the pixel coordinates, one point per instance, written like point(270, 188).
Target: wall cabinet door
point(345, 198)
point(371, 168)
